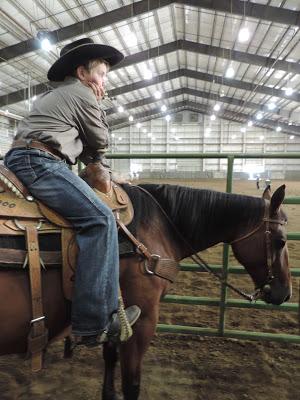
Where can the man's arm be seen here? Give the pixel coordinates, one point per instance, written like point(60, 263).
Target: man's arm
point(93, 130)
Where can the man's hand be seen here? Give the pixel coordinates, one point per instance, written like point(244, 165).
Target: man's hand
point(100, 157)
point(99, 91)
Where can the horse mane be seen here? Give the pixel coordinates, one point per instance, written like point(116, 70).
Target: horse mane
point(145, 209)
point(199, 214)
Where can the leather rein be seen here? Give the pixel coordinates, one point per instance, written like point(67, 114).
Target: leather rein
point(202, 263)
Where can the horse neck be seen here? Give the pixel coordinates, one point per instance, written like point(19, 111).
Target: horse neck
point(204, 217)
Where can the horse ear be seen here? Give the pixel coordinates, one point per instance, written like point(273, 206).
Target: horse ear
point(277, 199)
point(267, 193)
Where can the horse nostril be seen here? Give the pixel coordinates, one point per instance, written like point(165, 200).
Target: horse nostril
point(266, 289)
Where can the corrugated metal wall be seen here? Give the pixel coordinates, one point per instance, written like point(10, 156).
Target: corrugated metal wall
point(191, 132)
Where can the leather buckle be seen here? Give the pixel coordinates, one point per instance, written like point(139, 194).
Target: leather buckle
point(152, 262)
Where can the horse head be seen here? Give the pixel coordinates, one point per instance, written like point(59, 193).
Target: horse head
point(264, 253)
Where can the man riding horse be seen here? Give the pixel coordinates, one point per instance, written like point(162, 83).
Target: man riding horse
point(66, 124)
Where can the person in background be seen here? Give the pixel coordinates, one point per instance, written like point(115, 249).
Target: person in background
point(67, 124)
point(257, 182)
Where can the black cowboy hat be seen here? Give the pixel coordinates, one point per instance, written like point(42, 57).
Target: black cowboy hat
point(80, 52)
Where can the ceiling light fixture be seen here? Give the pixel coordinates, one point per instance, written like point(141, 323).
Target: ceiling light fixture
point(271, 106)
point(217, 107)
point(279, 74)
point(230, 72)
point(147, 74)
point(163, 108)
point(213, 117)
point(130, 118)
point(120, 109)
point(250, 123)
point(157, 95)
point(259, 116)
point(138, 125)
point(289, 91)
point(278, 129)
point(292, 137)
point(44, 38)
point(244, 35)
point(168, 118)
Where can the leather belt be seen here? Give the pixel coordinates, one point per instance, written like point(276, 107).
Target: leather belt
point(34, 144)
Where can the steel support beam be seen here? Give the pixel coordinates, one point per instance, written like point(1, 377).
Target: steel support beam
point(22, 94)
point(203, 109)
point(202, 76)
point(197, 93)
point(208, 50)
point(249, 9)
point(184, 45)
point(274, 14)
point(88, 25)
point(146, 115)
point(239, 56)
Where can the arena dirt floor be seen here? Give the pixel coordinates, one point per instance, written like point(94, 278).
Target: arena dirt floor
point(179, 367)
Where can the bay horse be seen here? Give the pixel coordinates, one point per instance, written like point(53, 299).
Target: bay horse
point(173, 222)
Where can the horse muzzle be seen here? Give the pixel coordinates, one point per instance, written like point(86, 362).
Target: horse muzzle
point(274, 293)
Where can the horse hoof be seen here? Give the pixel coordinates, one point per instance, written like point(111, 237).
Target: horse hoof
point(111, 396)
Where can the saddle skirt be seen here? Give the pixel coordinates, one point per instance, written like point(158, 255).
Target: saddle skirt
point(18, 210)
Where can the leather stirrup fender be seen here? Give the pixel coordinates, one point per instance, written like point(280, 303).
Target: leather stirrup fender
point(38, 335)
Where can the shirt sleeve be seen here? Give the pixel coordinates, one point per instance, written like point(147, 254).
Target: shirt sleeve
point(93, 127)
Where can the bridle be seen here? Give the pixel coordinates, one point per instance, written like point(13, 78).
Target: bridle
point(269, 254)
point(198, 260)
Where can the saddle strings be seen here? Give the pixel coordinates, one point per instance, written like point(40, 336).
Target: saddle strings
point(195, 256)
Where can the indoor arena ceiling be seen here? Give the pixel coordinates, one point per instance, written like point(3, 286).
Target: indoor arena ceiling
point(241, 55)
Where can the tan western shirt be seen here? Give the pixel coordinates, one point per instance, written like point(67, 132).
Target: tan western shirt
point(69, 119)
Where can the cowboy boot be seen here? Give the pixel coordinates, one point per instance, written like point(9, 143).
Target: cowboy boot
point(114, 330)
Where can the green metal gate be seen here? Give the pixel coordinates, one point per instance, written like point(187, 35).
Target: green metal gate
point(224, 302)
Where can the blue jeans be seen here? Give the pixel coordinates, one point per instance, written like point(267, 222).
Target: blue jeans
point(97, 274)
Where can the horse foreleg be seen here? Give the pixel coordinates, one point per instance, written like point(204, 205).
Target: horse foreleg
point(110, 356)
point(132, 354)
point(68, 350)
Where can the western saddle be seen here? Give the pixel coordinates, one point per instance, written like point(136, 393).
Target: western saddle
point(21, 214)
